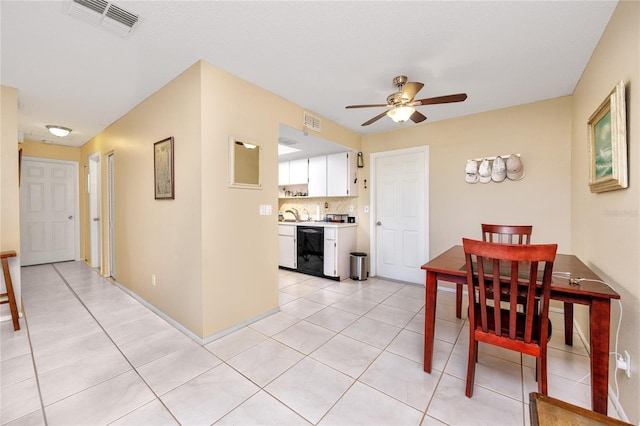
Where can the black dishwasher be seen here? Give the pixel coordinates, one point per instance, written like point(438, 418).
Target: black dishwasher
point(311, 250)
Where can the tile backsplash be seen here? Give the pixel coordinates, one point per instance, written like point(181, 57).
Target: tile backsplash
point(315, 205)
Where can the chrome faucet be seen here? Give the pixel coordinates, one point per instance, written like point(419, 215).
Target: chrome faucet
point(308, 215)
point(294, 212)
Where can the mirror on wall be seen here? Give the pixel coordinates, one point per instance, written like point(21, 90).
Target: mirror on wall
point(244, 164)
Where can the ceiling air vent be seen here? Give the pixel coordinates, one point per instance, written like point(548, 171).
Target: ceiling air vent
point(312, 122)
point(106, 14)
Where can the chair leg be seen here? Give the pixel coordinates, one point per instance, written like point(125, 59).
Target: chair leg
point(541, 374)
point(458, 300)
point(471, 367)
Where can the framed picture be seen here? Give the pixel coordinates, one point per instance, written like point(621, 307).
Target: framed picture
point(163, 169)
point(608, 143)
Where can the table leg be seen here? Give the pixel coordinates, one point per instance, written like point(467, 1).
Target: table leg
point(431, 291)
point(459, 300)
point(568, 323)
point(599, 314)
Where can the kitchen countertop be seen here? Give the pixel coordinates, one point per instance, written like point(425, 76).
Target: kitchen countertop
point(318, 224)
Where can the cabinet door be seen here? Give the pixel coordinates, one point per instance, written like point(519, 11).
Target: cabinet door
point(352, 174)
point(330, 249)
point(299, 171)
point(337, 174)
point(287, 251)
point(318, 176)
point(283, 173)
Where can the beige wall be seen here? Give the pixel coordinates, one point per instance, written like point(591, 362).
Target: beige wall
point(51, 151)
point(9, 191)
point(239, 256)
point(156, 237)
point(211, 252)
point(604, 227)
point(540, 132)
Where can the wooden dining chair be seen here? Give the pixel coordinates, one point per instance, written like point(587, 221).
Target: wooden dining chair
point(506, 234)
point(511, 270)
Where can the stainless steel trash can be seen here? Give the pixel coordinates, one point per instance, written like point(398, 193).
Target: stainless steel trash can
point(359, 269)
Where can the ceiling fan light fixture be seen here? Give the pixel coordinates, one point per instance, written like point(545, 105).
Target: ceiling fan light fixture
point(401, 114)
point(58, 131)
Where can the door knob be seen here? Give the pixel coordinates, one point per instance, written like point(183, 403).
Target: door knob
point(379, 223)
point(70, 217)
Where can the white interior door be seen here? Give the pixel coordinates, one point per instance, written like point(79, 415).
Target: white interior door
point(94, 209)
point(48, 211)
point(400, 213)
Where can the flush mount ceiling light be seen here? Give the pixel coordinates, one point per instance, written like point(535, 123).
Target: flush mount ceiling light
point(401, 114)
point(58, 131)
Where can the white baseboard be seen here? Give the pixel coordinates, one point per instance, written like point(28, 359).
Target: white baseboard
point(186, 331)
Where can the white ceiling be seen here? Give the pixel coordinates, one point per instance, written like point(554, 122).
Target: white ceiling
point(321, 55)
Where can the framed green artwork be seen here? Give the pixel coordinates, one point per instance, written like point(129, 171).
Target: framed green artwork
point(608, 143)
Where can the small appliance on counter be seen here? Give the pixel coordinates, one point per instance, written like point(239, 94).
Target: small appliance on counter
point(337, 218)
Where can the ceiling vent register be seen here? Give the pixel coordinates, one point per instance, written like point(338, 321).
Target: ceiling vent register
point(105, 14)
point(312, 122)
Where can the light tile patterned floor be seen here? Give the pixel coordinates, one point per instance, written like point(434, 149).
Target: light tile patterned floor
point(337, 353)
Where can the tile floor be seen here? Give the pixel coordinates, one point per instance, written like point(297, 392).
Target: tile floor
point(337, 353)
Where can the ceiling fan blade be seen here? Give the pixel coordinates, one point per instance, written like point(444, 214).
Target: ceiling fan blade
point(365, 106)
point(442, 99)
point(418, 117)
point(374, 119)
point(410, 90)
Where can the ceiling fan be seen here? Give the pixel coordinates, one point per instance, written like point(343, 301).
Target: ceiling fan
point(401, 104)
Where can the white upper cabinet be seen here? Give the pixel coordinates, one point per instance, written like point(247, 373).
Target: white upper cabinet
point(332, 175)
point(342, 175)
point(283, 173)
point(295, 172)
point(299, 171)
point(318, 176)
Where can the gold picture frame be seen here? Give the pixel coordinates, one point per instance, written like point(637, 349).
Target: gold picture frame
point(608, 143)
point(163, 180)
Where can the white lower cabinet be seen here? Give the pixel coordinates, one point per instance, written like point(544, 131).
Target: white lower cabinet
point(287, 256)
point(338, 245)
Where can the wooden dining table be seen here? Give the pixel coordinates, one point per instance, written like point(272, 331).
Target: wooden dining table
point(450, 267)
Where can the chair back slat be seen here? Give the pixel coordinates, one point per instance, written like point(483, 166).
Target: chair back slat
point(482, 295)
point(513, 299)
point(507, 234)
point(497, 320)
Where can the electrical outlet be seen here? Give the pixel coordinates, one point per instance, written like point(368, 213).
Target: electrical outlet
point(153, 280)
point(627, 358)
point(624, 363)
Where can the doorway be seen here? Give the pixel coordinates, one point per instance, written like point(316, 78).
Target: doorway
point(400, 213)
point(49, 225)
point(94, 188)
